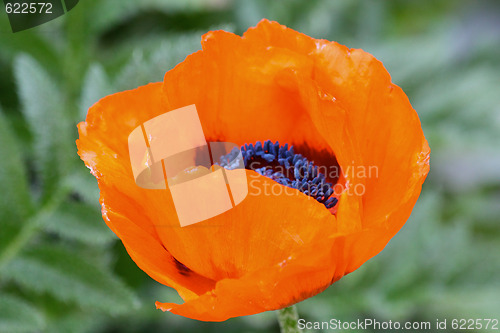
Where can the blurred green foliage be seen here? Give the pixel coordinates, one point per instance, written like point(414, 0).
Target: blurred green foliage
point(62, 269)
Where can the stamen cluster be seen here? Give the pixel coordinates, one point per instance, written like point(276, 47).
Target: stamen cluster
point(281, 164)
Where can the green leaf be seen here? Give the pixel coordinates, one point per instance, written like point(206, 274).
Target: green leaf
point(70, 278)
point(80, 222)
point(30, 41)
point(16, 315)
point(43, 106)
point(475, 302)
point(107, 14)
point(17, 204)
point(76, 322)
point(83, 183)
point(149, 63)
point(96, 85)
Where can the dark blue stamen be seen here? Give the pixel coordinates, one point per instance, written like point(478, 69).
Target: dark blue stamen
point(295, 170)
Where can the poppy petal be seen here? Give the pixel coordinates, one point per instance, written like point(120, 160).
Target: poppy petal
point(103, 147)
point(383, 126)
point(222, 81)
point(272, 223)
point(300, 276)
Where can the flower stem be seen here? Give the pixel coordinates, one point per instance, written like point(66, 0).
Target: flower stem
point(289, 319)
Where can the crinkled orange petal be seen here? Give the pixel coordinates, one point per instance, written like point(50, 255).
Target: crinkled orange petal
point(380, 128)
point(297, 277)
point(300, 276)
point(272, 223)
point(237, 95)
point(383, 127)
point(103, 146)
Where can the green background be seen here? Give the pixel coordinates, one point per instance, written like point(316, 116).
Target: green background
point(63, 270)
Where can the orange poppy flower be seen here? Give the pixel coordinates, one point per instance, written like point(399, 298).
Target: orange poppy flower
point(336, 105)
